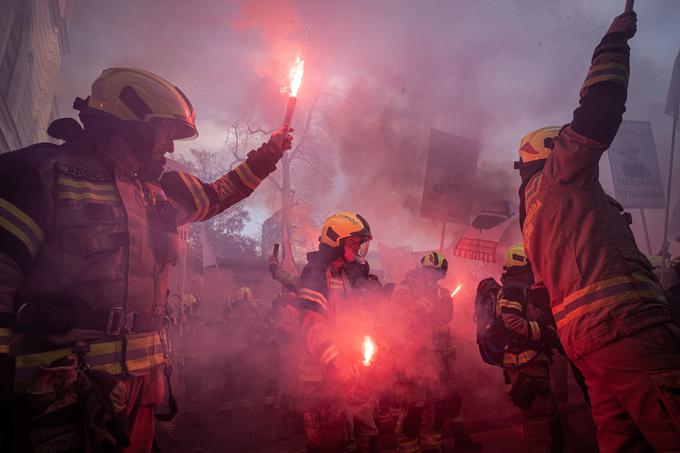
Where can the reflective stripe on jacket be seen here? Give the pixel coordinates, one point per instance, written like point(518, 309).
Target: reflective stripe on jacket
point(87, 231)
point(136, 355)
point(581, 247)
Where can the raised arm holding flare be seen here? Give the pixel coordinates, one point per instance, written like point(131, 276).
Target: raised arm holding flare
point(611, 314)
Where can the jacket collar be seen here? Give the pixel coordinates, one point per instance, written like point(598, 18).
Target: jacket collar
point(117, 149)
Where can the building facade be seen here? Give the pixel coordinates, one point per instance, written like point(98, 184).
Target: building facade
point(33, 39)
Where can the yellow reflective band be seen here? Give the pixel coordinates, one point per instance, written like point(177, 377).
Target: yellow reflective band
point(88, 196)
point(597, 304)
point(425, 303)
point(535, 330)
point(31, 360)
point(111, 368)
point(510, 304)
point(246, 175)
point(4, 332)
point(313, 296)
point(21, 215)
point(201, 206)
point(223, 191)
point(522, 358)
point(85, 184)
point(602, 284)
point(606, 77)
point(144, 341)
point(598, 286)
point(145, 363)
point(16, 231)
point(32, 248)
point(612, 65)
point(310, 373)
point(4, 349)
point(201, 194)
point(329, 354)
point(532, 187)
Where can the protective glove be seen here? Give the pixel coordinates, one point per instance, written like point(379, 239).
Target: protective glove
point(626, 24)
point(523, 391)
point(550, 338)
point(282, 139)
point(347, 380)
point(6, 376)
point(273, 265)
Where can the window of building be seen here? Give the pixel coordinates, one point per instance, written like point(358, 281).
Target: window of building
point(11, 56)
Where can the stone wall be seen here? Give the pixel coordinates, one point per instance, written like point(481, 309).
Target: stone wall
point(28, 105)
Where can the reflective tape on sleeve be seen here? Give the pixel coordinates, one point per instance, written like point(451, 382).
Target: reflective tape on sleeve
point(21, 226)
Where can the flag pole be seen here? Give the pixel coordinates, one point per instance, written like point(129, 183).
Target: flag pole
point(665, 245)
point(646, 230)
point(441, 241)
point(183, 287)
point(206, 243)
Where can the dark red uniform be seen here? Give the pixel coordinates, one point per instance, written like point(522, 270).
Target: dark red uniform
point(611, 313)
point(85, 248)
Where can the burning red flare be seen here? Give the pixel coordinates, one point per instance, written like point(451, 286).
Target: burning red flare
point(295, 80)
point(455, 291)
point(295, 74)
point(369, 350)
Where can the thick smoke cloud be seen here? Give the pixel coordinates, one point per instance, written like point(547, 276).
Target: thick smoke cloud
point(388, 70)
point(490, 70)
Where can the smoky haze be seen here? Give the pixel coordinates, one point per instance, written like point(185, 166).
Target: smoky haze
point(382, 73)
point(488, 70)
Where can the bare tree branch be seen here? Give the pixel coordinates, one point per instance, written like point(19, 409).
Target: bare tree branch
point(258, 130)
point(276, 184)
point(307, 127)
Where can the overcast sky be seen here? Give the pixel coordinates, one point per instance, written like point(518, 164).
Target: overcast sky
point(490, 70)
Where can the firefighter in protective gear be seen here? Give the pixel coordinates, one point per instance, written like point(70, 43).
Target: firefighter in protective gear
point(611, 314)
point(335, 404)
point(289, 280)
point(430, 396)
point(88, 231)
point(527, 356)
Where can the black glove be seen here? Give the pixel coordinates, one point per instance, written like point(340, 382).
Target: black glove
point(347, 381)
point(626, 24)
point(6, 376)
point(550, 338)
point(523, 392)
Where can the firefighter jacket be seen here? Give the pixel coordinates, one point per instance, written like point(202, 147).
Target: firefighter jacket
point(529, 335)
point(329, 307)
point(92, 242)
point(425, 310)
point(577, 238)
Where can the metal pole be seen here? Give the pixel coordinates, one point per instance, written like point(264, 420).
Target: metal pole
point(664, 246)
point(644, 226)
point(183, 287)
point(441, 241)
point(285, 207)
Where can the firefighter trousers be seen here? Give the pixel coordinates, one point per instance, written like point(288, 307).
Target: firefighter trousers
point(421, 418)
point(530, 390)
point(634, 386)
point(111, 413)
point(329, 425)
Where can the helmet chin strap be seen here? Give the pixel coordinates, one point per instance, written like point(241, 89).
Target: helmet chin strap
point(141, 143)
